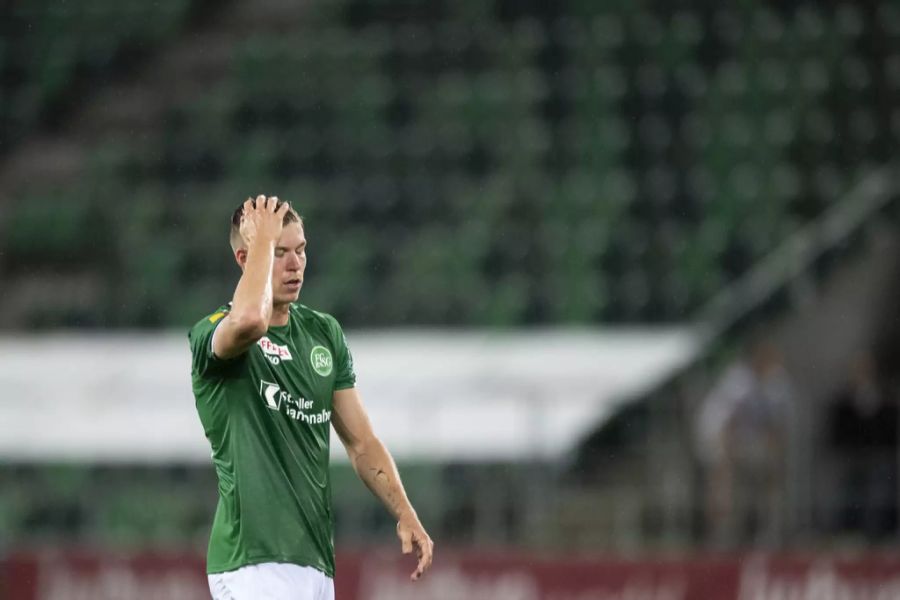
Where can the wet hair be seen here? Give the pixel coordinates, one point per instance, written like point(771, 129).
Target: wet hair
point(291, 216)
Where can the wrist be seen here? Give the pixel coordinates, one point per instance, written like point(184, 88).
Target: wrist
point(261, 243)
point(407, 514)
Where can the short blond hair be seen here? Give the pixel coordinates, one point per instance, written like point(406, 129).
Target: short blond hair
point(291, 216)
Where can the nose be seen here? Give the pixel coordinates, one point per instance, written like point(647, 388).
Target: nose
point(294, 261)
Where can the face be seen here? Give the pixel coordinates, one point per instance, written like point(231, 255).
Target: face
point(289, 265)
point(765, 357)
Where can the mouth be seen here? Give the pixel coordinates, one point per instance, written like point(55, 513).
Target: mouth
point(293, 284)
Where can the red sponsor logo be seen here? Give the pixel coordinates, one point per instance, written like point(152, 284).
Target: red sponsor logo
point(272, 349)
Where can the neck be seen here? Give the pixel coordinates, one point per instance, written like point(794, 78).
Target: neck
point(280, 314)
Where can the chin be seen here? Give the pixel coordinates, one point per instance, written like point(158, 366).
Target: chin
point(288, 297)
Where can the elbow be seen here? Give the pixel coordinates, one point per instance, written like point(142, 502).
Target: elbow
point(250, 327)
point(364, 447)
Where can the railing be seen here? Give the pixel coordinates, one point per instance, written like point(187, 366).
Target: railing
point(669, 494)
point(793, 260)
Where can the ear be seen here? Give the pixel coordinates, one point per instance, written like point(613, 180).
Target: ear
point(240, 256)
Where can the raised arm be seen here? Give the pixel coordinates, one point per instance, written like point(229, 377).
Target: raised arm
point(251, 307)
point(375, 466)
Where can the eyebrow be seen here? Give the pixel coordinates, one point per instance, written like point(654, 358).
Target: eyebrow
point(303, 245)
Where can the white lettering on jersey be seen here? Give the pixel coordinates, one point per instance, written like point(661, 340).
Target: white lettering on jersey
point(296, 408)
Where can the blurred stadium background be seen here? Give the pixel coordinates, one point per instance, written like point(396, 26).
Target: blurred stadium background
point(551, 229)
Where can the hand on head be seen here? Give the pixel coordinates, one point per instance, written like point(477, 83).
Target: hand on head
point(262, 219)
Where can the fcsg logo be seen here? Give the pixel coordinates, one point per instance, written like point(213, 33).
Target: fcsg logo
point(320, 359)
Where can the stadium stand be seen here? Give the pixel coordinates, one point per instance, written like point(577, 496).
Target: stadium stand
point(505, 164)
point(52, 50)
point(571, 154)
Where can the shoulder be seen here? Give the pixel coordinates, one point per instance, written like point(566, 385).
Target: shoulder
point(322, 322)
point(210, 320)
point(316, 317)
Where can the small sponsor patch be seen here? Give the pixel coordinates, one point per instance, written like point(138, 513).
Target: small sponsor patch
point(217, 317)
point(274, 352)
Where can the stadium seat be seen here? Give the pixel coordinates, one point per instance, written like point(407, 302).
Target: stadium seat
point(619, 117)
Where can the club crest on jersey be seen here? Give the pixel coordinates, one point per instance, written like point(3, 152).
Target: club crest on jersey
point(320, 359)
point(274, 352)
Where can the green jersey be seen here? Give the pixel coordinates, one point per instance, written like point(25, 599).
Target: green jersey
point(267, 415)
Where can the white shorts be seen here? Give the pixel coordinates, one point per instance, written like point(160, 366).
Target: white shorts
point(272, 581)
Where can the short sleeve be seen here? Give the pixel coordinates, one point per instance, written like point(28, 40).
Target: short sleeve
point(345, 376)
point(204, 362)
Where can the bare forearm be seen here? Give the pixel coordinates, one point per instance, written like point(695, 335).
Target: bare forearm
point(378, 471)
point(374, 465)
point(253, 295)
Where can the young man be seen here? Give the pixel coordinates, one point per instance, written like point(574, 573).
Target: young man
point(269, 376)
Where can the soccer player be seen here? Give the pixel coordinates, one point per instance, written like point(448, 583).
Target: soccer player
point(269, 377)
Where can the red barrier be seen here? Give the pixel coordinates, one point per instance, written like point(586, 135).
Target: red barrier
point(381, 575)
point(103, 576)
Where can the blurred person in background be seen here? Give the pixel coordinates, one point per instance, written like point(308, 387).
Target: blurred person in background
point(862, 427)
point(269, 376)
point(743, 424)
